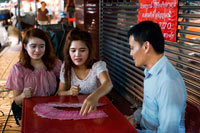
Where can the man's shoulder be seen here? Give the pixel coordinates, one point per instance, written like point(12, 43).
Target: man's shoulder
point(169, 70)
point(170, 75)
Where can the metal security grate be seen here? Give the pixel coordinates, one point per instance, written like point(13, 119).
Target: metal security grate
point(116, 18)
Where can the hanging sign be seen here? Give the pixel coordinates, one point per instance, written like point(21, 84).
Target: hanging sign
point(164, 12)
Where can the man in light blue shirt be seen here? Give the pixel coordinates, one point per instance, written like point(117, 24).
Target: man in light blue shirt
point(165, 94)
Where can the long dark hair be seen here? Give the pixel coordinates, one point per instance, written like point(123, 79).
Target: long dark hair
point(74, 35)
point(49, 59)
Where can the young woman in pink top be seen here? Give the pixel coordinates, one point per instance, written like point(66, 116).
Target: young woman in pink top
point(81, 72)
point(36, 72)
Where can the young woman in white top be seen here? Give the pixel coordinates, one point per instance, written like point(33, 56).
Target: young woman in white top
point(81, 72)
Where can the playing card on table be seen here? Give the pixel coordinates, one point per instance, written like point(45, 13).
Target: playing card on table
point(49, 110)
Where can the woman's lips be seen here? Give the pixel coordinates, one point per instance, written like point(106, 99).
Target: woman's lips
point(36, 54)
point(78, 60)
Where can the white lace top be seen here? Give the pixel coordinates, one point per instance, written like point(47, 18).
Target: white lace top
point(91, 82)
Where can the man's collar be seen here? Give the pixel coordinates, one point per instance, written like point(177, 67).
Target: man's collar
point(156, 67)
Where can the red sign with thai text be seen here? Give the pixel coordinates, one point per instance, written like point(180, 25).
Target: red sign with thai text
point(164, 12)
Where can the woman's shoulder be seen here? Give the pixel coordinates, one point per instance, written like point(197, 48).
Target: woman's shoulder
point(58, 62)
point(17, 68)
point(99, 64)
point(98, 67)
point(58, 65)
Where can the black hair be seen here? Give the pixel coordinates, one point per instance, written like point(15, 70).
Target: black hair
point(148, 31)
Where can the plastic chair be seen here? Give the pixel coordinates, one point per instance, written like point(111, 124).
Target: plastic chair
point(192, 118)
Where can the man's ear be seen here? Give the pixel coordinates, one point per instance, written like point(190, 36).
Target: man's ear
point(146, 46)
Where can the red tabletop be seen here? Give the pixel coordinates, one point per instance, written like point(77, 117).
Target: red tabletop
point(114, 123)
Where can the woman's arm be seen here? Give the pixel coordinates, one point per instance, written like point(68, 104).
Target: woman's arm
point(20, 95)
point(89, 104)
point(62, 90)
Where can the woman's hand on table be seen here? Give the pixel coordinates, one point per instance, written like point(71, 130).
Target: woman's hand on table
point(74, 90)
point(27, 92)
point(89, 105)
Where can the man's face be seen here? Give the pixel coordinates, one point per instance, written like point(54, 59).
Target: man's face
point(137, 52)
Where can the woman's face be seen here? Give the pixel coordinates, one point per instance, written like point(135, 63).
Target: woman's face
point(78, 52)
point(35, 48)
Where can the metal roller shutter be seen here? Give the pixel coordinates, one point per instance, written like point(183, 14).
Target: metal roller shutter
point(116, 18)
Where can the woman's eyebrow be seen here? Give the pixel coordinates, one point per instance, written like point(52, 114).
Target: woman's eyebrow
point(35, 44)
point(79, 48)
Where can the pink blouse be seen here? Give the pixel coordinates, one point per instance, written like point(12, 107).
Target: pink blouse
point(91, 81)
point(42, 81)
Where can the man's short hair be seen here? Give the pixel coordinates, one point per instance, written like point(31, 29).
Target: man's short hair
point(148, 31)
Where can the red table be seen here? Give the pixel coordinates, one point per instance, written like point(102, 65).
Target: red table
point(114, 123)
